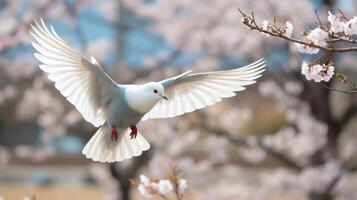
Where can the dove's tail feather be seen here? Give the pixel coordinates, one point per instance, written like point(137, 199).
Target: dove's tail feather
point(101, 148)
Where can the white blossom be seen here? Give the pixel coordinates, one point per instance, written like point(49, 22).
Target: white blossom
point(350, 27)
point(182, 185)
point(163, 186)
point(288, 30)
point(318, 37)
point(302, 48)
point(336, 24)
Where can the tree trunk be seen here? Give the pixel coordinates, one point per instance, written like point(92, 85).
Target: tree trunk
point(123, 175)
point(125, 188)
point(320, 196)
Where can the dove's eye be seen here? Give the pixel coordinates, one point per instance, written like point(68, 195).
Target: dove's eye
point(155, 91)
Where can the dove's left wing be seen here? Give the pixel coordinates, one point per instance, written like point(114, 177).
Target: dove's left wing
point(82, 82)
point(188, 92)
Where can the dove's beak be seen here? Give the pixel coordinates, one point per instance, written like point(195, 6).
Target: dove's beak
point(164, 97)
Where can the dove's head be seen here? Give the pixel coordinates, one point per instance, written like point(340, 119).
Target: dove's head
point(143, 98)
point(155, 91)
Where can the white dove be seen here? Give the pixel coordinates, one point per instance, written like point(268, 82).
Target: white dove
point(115, 108)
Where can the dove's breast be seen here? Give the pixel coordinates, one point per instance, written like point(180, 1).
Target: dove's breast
point(120, 114)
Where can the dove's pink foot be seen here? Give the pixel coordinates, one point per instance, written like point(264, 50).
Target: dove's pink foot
point(134, 132)
point(114, 135)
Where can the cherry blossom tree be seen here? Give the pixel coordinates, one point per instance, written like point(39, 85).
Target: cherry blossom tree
point(222, 151)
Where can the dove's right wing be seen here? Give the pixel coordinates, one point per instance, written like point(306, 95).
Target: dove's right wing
point(82, 82)
point(188, 92)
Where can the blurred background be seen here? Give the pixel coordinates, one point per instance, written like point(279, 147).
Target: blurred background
point(283, 138)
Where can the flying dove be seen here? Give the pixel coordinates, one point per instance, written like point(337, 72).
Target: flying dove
point(117, 108)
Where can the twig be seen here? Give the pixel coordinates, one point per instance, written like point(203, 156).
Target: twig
point(163, 197)
point(318, 19)
point(342, 91)
point(175, 174)
point(343, 39)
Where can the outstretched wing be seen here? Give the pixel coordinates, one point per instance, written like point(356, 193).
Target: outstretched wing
point(188, 92)
point(82, 82)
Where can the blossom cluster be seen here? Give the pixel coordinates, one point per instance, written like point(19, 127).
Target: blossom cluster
point(338, 26)
point(296, 141)
point(317, 72)
point(285, 31)
point(150, 187)
point(310, 179)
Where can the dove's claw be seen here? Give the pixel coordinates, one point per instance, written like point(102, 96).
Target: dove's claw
point(134, 132)
point(114, 135)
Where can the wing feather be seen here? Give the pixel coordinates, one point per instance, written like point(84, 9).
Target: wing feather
point(188, 92)
point(82, 82)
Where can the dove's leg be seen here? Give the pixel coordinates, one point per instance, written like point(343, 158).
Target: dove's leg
point(114, 135)
point(134, 131)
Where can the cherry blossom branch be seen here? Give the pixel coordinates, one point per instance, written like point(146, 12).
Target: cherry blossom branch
point(250, 22)
point(339, 28)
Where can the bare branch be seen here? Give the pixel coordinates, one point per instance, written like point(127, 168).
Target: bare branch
point(342, 91)
point(343, 39)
